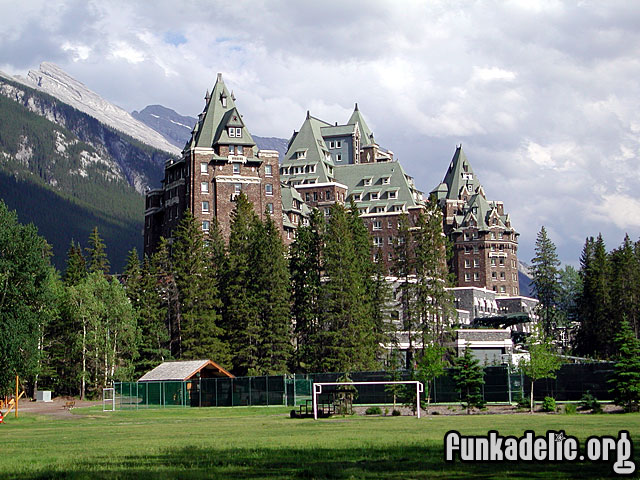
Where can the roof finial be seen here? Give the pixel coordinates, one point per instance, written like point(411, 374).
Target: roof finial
point(207, 95)
point(356, 107)
point(308, 115)
point(219, 77)
point(233, 97)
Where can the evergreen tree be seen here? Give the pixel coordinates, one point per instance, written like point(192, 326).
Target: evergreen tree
point(625, 286)
point(625, 384)
point(200, 333)
point(98, 261)
point(543, 361)
point(434, 302)
point(544, 269)
point(594, 305)
point(76, 265)
point(241, 317)
point(569, 291)
point(271, 294)
point(469, 378)
point(403, 267)
point(306, 270)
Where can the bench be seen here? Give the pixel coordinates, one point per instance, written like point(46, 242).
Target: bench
point(69, 405)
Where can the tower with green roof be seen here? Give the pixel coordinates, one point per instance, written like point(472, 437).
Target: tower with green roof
point(485, 244)
point(219, 161)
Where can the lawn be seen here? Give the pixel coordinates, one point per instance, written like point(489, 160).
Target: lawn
point(263, 442)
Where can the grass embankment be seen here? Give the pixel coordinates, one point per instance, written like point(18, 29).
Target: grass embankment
point(264, 443)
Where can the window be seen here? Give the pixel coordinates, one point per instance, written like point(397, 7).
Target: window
point(327, 195)
point(502, 276)
point(379, 210)
point(475, 249)
point(268, 188)
point(203, 167)
point(503, 289)
point(376, 258)
point(467, 263)
point(235, 132)
point(338, 144)
point(311, 168)
point(386, 180)
point(357, 197)
point(467, 277)
point(378, 241)
point(367, 181)
point(502, 261)
point(327, 211)
point(470, 189)
point(493, 262)
point(331, 145)
point(393, 194)
point(270, 208)
point(268, 171)
point(307, 197)
point(493, 236)
point(476, 276)
point(500, 235)
point(204, 187)
point(205, 225)
point(302, 154)
point(390, 240)
point(389, 224)
point(339, 157)
point(205, 207)
point(236, 169)
point(390, 257)
point(475, 235)
point(224, 101)
point(476, 263)
point(374, 195)
point(315, 196)
point(237, 188)
point(377, 225)
point(466, 236)
point(493, 275)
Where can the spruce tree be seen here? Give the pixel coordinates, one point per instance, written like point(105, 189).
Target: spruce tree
point(161, 269)
point(272, 297)
point(625, 384)
point(403, 268)
point(305, 273)
point(98, 261)
point(569, 291)
point(625, 285)
point(469, 378)
point(76, 265)
point(544, 269)
point(241, 316)
point(199, 299)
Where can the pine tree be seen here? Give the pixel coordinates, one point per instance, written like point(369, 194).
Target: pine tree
point(241, 317)
point(76, 265)
point(544, 269)
point(162, 270)
point(305, 273)
point(569, 291)
point(200, 302)
point(625, 285)
point(469, 378)
point(625, 384)
point(98, 261)
point(403, 268)
point(271, 294)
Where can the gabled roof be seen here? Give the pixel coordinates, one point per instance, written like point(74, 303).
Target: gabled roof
point(309, 140)
point(219, 112)
point(366, 135)
point(458, 177)
point(180, 371)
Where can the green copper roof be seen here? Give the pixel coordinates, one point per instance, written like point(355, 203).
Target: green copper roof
point(338, 130)
point(219, 113)
point(459, 176)
point(307, 147)
point(366, 135)
point(379, 179)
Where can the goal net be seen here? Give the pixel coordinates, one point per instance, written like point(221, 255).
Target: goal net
point(317, 390)
point(108, 400)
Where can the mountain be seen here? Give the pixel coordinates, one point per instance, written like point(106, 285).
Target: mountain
point(53, 80)
point(177, 128)
point(66, 172)
point(524, 280)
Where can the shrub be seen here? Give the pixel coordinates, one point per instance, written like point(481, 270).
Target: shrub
point(524, 403)
point(373, 411)
point(570, 408)
point(549, 404)
point(395, 413)
point(589, 402)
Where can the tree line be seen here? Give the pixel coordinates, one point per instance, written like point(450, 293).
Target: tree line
point(252, 305)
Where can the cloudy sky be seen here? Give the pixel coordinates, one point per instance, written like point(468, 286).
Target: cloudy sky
point(544, 96)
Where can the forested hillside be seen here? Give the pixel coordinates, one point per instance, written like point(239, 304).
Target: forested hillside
point(67, 183)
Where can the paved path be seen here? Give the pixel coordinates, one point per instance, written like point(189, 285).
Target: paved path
point(54, 408)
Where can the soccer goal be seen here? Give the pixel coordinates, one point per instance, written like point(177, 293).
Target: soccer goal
point(317, 390)
point(108, 399)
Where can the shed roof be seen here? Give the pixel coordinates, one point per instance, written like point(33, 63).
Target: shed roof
point(180, 371)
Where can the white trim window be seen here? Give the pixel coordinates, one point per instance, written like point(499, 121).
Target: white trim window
point(268, 189)
point(386, 180)
point(367, 181)
point(268, 171)
point(205, 207)
point(236, 168)
point(270, 208)
point(338, 144)
point(374, 195)
point(235, 132)
point(378, 241)
point(204, 187)
point(377, 225)
point(206, 225)
point(203, 168)
point(392, 194)
point(237, 188)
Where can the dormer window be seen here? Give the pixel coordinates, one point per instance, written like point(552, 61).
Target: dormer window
point(367, 181)
point(235, 132)
point(374, 195)
point(386, 180)
point(392, 194)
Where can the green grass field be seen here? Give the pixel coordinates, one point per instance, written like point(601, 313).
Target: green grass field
point(263, 442)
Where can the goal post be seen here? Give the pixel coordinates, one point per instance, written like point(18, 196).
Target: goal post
point(317, 390)
point(108, 399)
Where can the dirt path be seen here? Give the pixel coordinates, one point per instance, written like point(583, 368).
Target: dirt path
point(54, 408)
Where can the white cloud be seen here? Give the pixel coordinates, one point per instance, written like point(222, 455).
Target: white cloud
point(489, 74)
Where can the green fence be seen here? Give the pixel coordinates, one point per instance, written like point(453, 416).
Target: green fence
point(502, 385)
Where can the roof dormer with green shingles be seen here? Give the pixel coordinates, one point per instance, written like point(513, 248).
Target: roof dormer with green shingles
point(308, 159)
point(219, 115)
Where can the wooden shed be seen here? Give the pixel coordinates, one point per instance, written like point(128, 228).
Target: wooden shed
point(184, 371)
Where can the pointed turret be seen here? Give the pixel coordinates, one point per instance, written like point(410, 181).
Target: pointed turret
point(460, 180)
point(366, 134)
point(308, 153)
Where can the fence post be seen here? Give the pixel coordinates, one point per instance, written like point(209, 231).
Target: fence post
point(266, 380)
point(509, 380)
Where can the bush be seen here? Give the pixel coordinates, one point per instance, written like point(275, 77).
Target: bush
point(589, 402)
point(395, 413)
point(373, 411)
point(570, 408)
point(549, 404)
point(524, 403)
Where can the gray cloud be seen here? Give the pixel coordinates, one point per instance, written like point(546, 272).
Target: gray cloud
point(543, 96)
